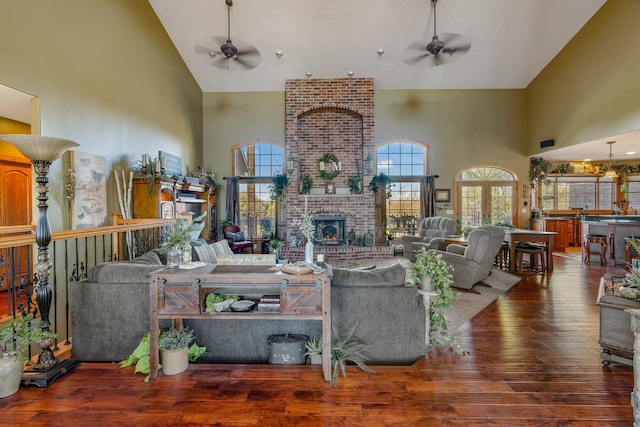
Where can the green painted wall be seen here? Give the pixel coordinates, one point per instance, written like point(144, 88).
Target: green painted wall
point(591, 90)
point(107, 76)
point(463, 127)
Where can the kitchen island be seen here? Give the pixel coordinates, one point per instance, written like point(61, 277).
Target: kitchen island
point(615, 228)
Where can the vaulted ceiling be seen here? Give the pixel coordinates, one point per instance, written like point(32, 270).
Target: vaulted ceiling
point(511, 40)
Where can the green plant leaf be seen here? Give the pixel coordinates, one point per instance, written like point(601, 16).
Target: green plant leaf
point(196, 351)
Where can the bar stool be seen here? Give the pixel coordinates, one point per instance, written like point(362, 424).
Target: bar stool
point(587, 250)
point(536, 253)
point(503, 256)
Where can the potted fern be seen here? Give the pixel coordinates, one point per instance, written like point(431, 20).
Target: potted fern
point(347, 349)
point(430, 273)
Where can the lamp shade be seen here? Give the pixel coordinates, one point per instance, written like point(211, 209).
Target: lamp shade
point(36, 147)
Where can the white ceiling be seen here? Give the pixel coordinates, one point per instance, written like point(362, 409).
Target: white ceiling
point(511, 40)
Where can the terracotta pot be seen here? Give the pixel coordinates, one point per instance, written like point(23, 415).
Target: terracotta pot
point(10, 374)
point(175, 361)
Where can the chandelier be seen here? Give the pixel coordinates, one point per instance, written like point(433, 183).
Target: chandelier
point(610, 173)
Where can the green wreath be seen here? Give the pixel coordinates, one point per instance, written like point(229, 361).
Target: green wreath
point(324, 162)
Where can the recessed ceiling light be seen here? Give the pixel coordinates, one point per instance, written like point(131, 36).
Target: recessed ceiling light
point(587, 160)
point(380, 51)
point(350, 73)
point(308, 74)
point(279, 53)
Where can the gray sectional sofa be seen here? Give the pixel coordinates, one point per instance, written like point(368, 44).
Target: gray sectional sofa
point(110, 313)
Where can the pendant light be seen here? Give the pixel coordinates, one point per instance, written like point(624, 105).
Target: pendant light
point(610, 173)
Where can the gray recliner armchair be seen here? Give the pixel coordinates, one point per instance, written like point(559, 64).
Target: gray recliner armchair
point(472, 264)
point(430, 235)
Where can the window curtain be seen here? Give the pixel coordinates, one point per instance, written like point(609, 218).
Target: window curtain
point(428, 196)
point(233, 200)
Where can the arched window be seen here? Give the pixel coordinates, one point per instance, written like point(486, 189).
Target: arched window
point(257, 163)
point(486, 195)
point(405, 163)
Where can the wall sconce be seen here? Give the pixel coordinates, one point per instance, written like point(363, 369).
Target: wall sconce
point(368, 164)
point(290, 165)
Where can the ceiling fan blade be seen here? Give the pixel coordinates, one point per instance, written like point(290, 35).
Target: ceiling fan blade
point(414, 60)
point(417, 45)
point(244, 62)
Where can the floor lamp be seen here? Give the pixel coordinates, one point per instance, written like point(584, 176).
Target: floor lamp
point(42, 151)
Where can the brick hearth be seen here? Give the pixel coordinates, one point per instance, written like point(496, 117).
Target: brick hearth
point(341, 253)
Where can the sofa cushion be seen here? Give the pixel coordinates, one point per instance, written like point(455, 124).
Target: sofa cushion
point(121, 272)
point(149, 258)
point(392, 275)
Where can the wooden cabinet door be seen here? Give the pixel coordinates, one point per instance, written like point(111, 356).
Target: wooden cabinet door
point(15, 205)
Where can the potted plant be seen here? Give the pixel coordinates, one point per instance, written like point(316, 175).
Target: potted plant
point(174, 348)
point(141, 359)
point(275, 245)
point(313, 350)
point(431, 273)
point(15, 337)
point(354, 184)
point(278, 183)
point(177, 240)
point(343, 350)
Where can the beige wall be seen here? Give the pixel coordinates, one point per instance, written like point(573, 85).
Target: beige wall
point(107, 76)
point(591, 90)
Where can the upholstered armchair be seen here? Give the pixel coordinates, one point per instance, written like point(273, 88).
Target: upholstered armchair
point(472, 263)
point(236, 238)
point(430, 235)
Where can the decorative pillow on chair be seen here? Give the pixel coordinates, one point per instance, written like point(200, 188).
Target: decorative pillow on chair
point(236, 237)
point(221, 248)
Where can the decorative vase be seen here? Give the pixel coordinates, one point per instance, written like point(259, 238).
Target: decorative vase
point(308, 252)
point(427, 285)
point(186, 253)
point(174, 257)
point(10, 374)
point(175, 361)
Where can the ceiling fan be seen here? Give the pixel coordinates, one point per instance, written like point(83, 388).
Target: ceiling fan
point(441, 49)
point(243, 54)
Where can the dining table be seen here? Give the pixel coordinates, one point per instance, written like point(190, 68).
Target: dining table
point(514, 235)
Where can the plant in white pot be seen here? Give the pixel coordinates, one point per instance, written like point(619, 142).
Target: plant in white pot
point(140, 358)
point(15, 337)
point(174, 349)
point(313, 350)
point(431, 274)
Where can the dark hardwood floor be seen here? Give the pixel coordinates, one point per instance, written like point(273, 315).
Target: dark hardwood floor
point(530, 359)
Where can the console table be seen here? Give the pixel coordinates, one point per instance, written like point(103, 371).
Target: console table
point(181, 294)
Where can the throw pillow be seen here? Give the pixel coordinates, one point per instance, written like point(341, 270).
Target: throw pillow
point(221, 248)
point(236, 237)
point(149, 258)
point(205, 253)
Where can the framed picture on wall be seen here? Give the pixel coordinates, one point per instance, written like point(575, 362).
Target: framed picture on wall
point(443, 195)
point(85, 189)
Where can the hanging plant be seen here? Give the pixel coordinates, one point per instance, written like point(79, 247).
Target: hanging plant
point(306, 182)
point(279, 183)
point(381, 178)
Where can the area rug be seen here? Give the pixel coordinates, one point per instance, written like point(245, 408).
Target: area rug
point(469, 304)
